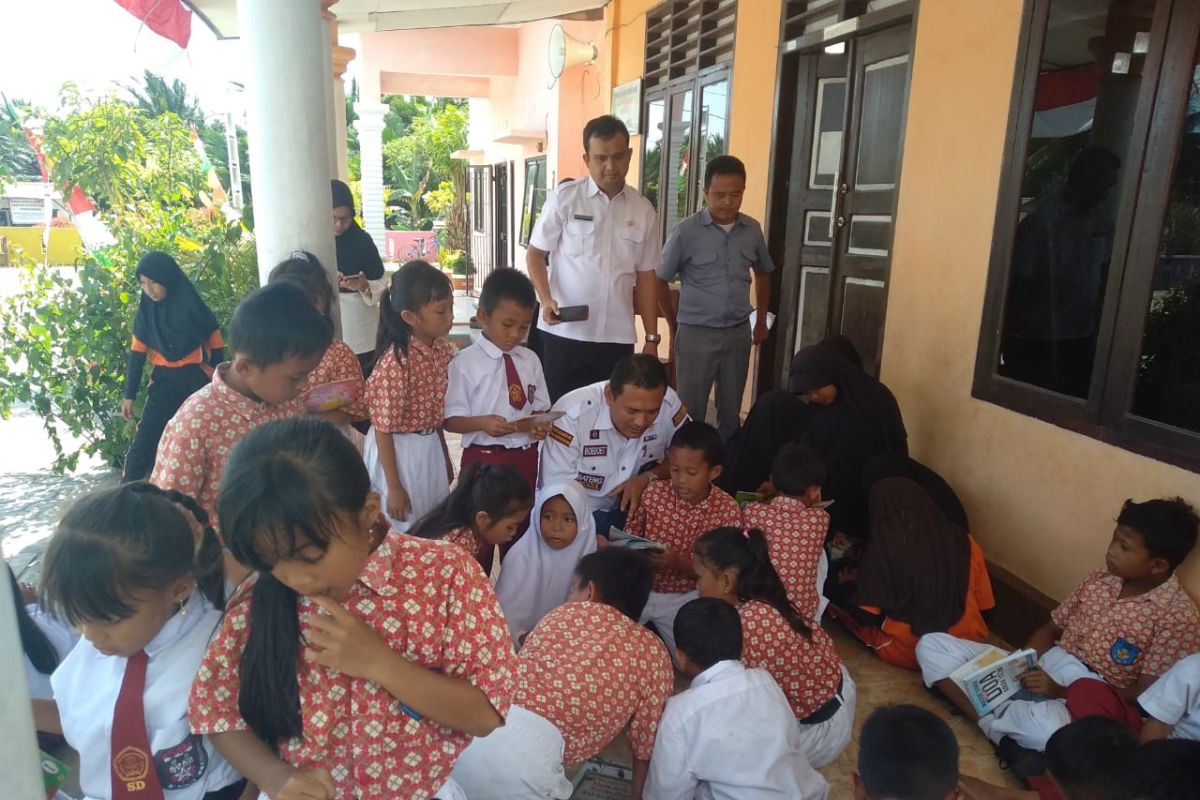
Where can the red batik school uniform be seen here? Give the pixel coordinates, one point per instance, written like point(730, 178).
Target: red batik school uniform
point(662, 517)
point(340, 364)
point(198, 439)
point(1104, 637)
point(586, 672)
point(796, 540)
point(487, 381)
point(818, 687)
point(406, 398)
point(431, 604)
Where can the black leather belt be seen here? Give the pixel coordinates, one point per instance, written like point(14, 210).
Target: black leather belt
point(826, 712)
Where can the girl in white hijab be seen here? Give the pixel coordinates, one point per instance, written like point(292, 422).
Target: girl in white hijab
point(537, 572)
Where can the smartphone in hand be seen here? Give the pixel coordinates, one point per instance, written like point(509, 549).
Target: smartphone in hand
point(573, 313)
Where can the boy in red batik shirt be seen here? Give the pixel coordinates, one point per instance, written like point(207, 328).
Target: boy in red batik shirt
point(675, 513)
point(795, 528)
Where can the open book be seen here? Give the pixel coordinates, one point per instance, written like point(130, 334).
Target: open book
point(989, 679)
point(620, 538)
point(331, 396)
point(598, 779)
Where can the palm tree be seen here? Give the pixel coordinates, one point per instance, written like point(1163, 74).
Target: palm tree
point(157, 97)
point(17, 159)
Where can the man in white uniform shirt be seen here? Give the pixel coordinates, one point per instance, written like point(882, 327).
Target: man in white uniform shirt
point(604, 239)
point(614, 437)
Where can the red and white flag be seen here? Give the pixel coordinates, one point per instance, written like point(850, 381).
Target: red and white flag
point(170, 19)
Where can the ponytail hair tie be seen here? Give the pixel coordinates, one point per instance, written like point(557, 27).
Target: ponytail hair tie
point(299, 255)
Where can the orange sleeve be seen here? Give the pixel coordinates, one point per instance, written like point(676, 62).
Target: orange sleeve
point(215, 342)
point(980, 582)
point(137, 345)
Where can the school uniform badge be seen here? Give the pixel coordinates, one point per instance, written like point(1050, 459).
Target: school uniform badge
point(1123, 652)
point(594, 435)
point(561, 436)
point(182, 765)
point(680, 416)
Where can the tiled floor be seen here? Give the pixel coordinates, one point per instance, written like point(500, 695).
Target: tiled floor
point(880, 684)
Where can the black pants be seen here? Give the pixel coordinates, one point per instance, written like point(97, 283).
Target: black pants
point(367, 362)
point(570, 364)
point(169, 387)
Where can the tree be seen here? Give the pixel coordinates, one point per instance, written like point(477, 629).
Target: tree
point(155, 97)
point(64, 337)
point(17, 159)
point(420, 161)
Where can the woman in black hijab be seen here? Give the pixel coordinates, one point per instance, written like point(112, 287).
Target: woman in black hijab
point(179, 334)
point(920, 573)
point(834, 407)
point(360, 278)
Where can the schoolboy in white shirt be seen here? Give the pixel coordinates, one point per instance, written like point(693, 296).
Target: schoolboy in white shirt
point(732, 735)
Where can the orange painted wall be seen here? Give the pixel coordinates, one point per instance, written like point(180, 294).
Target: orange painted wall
point(1041, 499)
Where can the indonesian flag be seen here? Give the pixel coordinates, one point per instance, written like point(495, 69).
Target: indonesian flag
point(1066, 102)
point(170, 19)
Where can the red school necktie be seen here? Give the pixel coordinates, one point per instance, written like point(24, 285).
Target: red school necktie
point(133, 774)
point(516, 392)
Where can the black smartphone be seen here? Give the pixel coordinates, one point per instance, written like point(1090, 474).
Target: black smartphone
point(572, 313)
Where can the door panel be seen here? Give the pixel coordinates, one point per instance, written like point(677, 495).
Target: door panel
point(879, 67)
point(503, 219)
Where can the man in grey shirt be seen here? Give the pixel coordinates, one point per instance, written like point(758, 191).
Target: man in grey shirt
point(714, 253)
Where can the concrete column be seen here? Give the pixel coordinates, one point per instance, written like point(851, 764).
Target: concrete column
point(329, 36)
point(20, 765)
point(342, 56)
point(287, 112)
point(370, 147)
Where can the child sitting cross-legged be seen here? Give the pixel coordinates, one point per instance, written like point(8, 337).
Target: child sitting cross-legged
point(795, 528)
point(585, 672)
point(674, 513)
point(1126, 624)
point(732, 734)
point(733, 564)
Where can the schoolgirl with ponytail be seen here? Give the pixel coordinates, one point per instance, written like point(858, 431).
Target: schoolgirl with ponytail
point(357, 662)
point(486, 508)
point(734, 564)
point(405, 451)
point(141, 577)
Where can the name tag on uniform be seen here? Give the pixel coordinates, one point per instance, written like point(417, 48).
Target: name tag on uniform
point(593, 483)
point(583, 217)
point(595, 451)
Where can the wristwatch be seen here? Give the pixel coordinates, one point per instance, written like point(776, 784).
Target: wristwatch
point(653, 338)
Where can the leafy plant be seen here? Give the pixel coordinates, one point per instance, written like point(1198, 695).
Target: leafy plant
point(64, 336)
point(459, 262)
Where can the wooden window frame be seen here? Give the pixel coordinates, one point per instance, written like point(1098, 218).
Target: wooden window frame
point(1144, 189)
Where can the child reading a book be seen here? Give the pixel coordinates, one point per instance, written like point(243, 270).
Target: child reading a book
point(587, 671)
point(733, 565)
point(732, 734)
point(1125, 624)
point(674, 513)
point(795, 527)
point(496, 384)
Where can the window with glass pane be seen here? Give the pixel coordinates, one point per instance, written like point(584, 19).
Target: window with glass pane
point(1079, 136)
point(479, 187)
point(679, 155)
point(712, 128)
point(535, 196)
point(1167, 387)
point(652, 160)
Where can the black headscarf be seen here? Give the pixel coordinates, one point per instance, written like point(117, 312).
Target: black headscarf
point(898, 465)
point(862, 422)
point(356, 250)
point(180, 322)
point(917, 564)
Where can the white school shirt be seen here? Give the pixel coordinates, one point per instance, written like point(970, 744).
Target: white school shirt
point(1174, 699)
point(62, 637)
point(597, 246)
point(585, 446)
point(86, 686)
point(731, 736)
point(478, 385)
